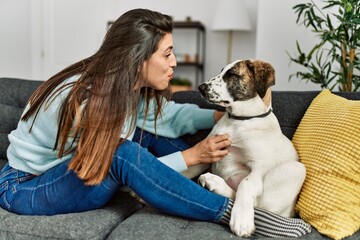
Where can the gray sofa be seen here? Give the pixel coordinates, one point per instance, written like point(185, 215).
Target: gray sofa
point(123, 217)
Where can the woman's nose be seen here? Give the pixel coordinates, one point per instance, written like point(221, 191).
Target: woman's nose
point(173, 62)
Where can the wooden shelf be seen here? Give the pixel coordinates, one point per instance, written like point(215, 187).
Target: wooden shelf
point(198, 65)
point(189, 24)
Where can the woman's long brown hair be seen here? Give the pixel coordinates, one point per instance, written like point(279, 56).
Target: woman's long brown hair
point(103, 98)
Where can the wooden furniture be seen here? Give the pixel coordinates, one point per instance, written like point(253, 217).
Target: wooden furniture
point(191, 35)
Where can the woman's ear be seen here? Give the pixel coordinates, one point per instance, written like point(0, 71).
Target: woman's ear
point(139, 81)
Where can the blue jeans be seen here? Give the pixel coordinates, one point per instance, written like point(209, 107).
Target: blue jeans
point(59, 190)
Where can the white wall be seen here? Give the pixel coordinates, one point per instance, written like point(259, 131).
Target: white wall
point(277, 33)
point(15, 38)
point(25, 26)
point(202, 10)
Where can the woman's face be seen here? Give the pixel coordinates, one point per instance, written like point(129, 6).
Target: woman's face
point(158, 70)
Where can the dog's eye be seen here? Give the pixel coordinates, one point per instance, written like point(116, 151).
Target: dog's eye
point(231, 76)
point(231, 73)
point(222, 69)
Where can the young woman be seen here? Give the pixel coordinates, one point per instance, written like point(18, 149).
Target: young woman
point(106, 122)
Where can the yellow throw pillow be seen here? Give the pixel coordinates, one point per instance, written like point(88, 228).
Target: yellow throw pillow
point(328, 142)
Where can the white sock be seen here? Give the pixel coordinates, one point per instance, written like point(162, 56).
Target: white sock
point(270, 224)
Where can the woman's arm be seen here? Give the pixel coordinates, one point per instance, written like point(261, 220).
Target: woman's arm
point(209, 150)
point(179, 119)
point(176, 119)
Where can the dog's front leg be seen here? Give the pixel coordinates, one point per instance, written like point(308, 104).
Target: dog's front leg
point(216, 184)
point(242, 214)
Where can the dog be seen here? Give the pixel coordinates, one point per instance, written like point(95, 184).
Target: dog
point(262, 168)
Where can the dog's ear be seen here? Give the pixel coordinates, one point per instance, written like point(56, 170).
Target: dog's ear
point(264, 75)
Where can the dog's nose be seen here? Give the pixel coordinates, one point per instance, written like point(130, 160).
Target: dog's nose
point(203, 88)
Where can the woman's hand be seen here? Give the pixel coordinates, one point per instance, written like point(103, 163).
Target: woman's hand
point(209, 150)
point(218, 115)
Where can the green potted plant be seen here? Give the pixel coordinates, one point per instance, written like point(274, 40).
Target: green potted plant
point(334, 60)
point(180, 84)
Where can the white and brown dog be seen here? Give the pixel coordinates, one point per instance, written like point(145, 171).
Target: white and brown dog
point(262, 168)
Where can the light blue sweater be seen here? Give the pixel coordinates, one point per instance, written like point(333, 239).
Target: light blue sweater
point(32, 151)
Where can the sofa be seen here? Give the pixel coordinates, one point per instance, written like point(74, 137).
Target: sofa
point(124, 217)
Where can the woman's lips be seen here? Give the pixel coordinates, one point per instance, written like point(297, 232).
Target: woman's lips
point(171, 76)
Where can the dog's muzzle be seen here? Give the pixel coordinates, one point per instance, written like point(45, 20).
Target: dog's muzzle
point(203, 89)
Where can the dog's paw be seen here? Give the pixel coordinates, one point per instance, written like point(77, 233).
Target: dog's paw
point(211, 181)
point(242, 221)
point(134, 195)
point(215, 184)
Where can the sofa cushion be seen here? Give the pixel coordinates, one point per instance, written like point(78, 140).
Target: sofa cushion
point(95, 224)
point(327, 140)
point(10, 116)
point(150, 224)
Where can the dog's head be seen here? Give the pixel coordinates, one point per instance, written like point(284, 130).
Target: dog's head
point(240, 80)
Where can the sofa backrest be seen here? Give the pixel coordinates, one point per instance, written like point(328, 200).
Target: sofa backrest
point(288, 106)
